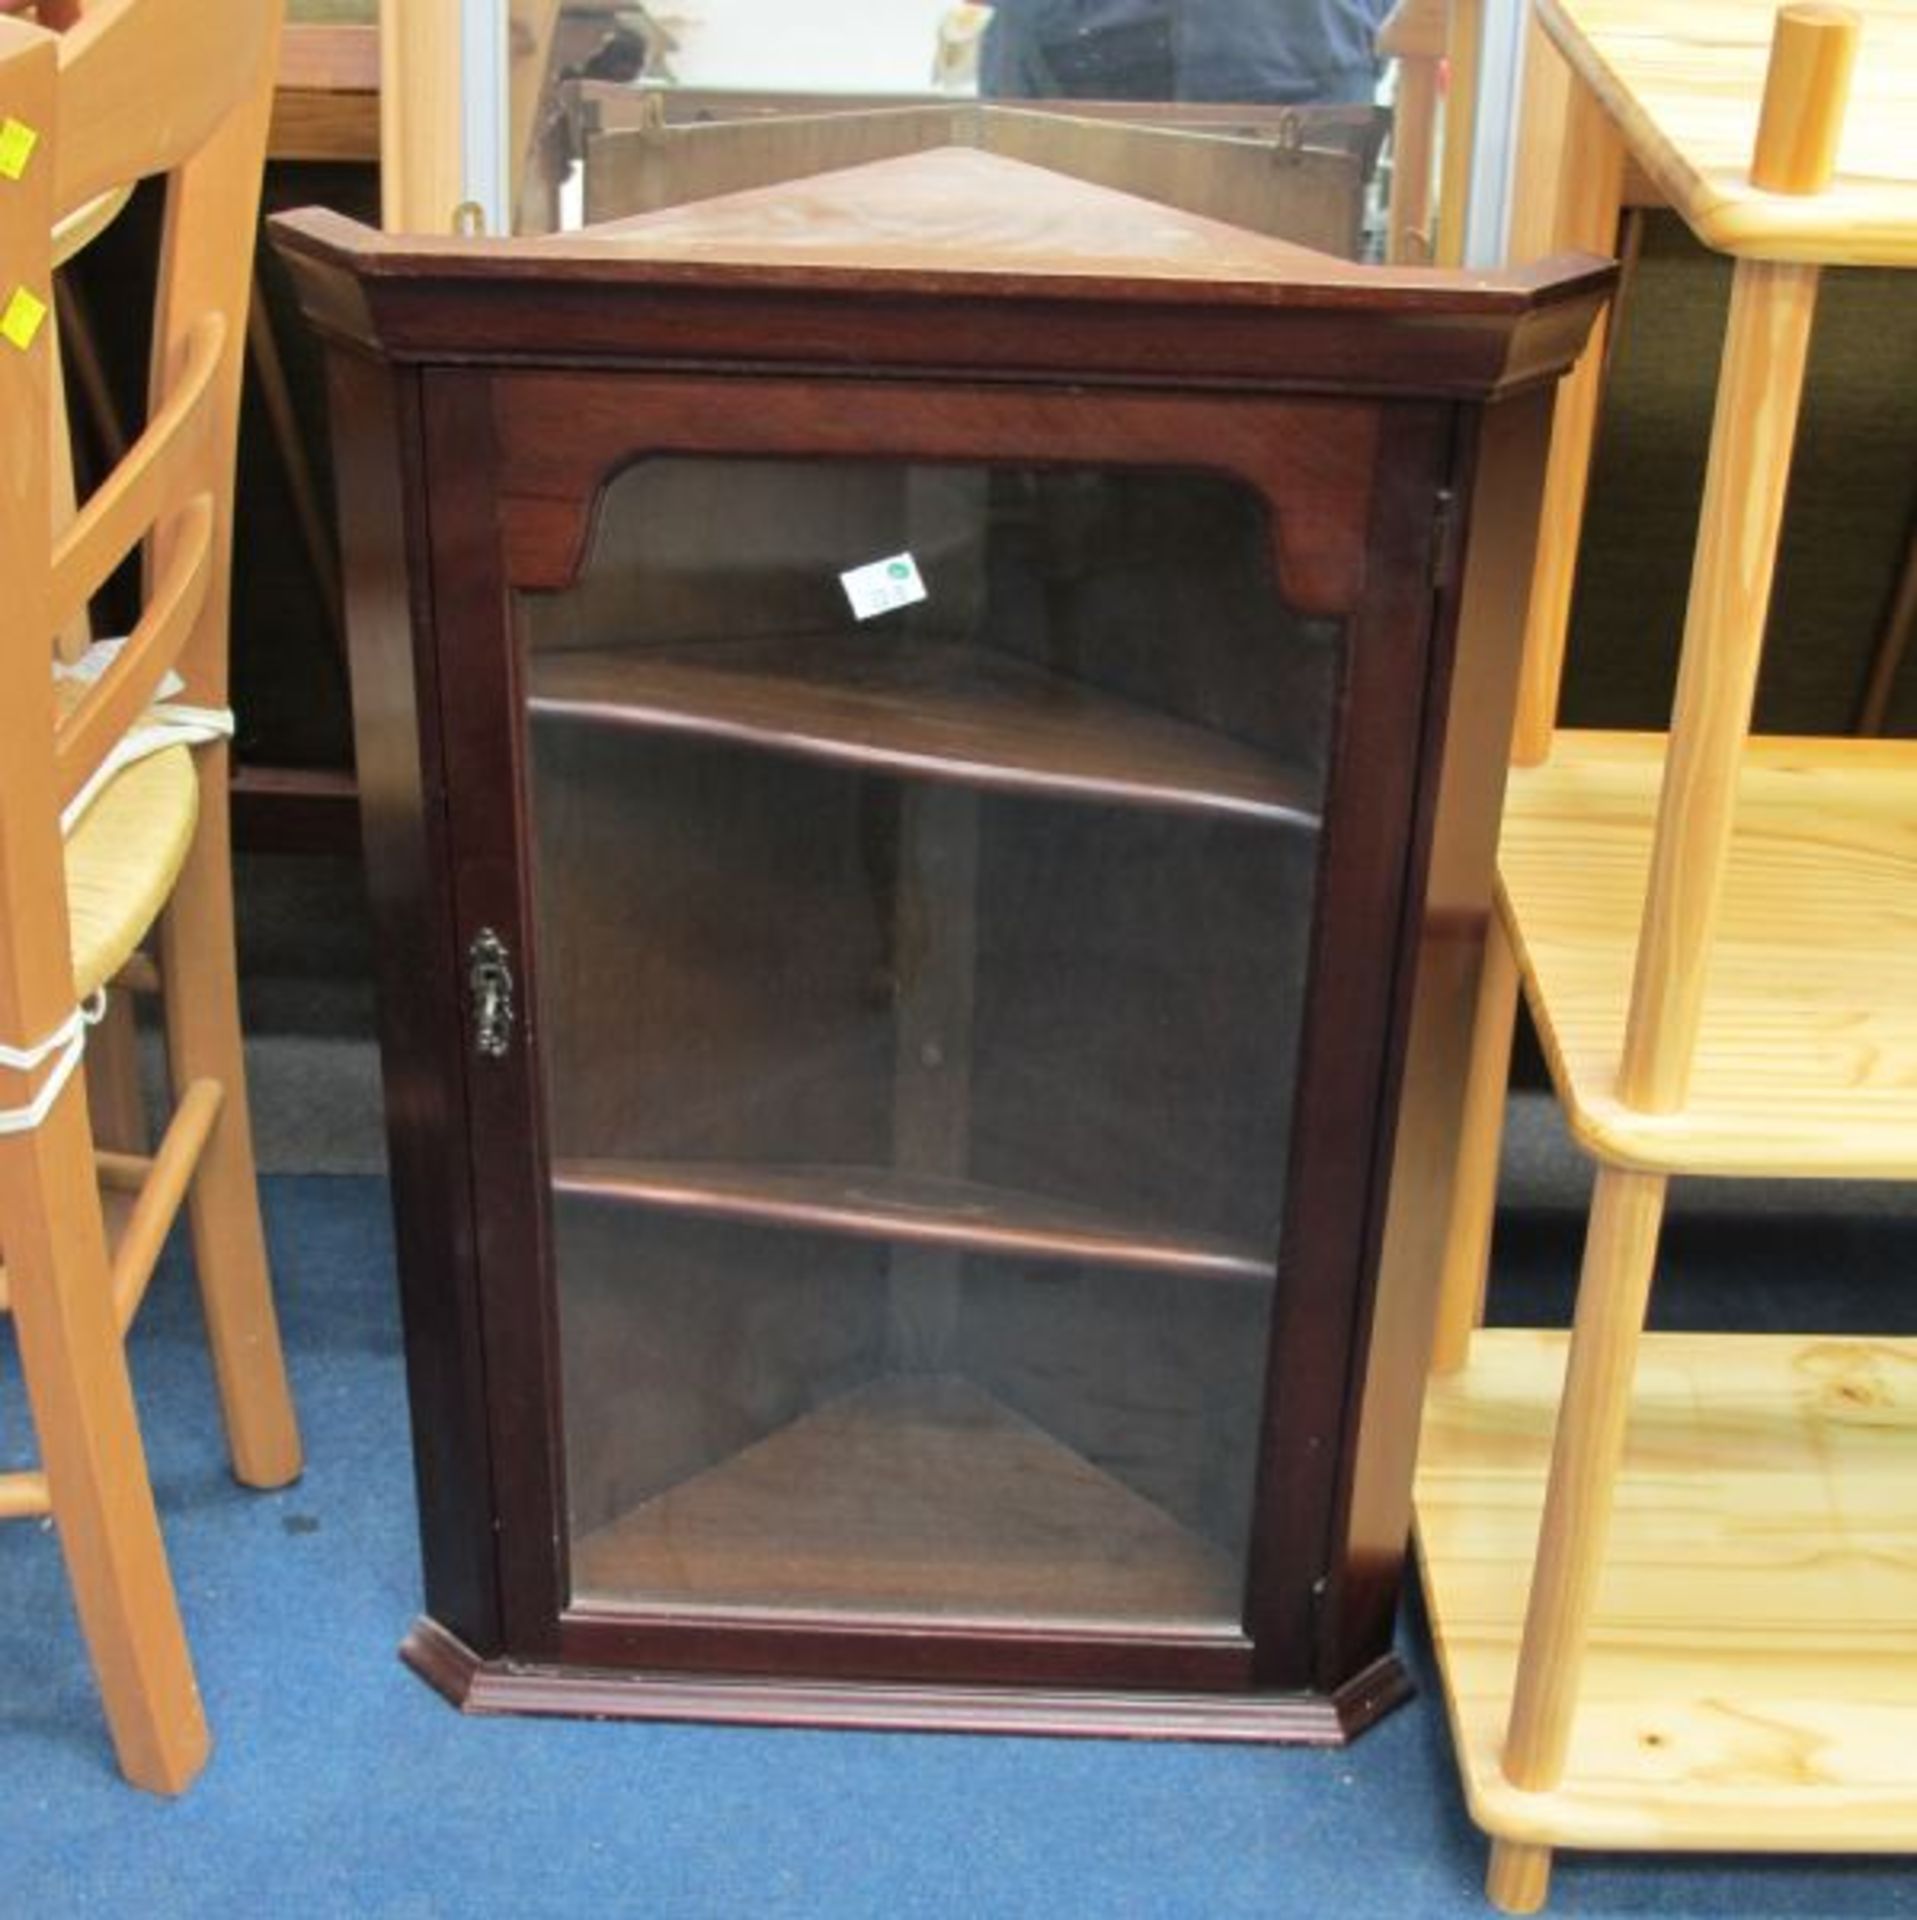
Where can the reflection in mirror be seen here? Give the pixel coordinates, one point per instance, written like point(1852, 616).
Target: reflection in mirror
point(1302, 77)
point(1200, 50)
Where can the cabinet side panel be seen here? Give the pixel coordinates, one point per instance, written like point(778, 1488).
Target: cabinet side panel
point(1480, 634)
point(1327, 1259)
point(395, 698)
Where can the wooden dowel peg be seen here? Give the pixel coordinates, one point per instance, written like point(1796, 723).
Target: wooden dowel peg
point(1806, 89)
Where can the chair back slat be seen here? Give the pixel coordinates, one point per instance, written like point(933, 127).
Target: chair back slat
point(154, 472)
point(76, 231)
point(214, 197)
point(88, 731)
point(144, 83)
point(183, 89)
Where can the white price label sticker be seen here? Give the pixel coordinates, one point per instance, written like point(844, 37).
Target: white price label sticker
point(884, 586)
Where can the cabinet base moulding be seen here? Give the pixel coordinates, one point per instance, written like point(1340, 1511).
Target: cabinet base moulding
point(478, 1685)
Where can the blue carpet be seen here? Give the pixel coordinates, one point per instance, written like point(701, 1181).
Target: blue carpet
point(339, 1785)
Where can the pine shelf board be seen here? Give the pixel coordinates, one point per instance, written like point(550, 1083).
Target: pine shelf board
point(1807, 1061)
point(921, 707)
point(1751, 1683)
point(1684, 84)
point(915, 1495)
point(885, 1204)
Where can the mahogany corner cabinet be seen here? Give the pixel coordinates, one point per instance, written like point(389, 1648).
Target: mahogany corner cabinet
point(929, 741)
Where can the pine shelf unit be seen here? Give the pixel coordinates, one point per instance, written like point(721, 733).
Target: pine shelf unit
point(1673, 1581)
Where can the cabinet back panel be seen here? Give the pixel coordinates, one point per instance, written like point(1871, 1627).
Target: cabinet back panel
point(739, 1438)
point(1158, 585)
point(710, 952)
point(683, 1343)
point(1140, 983)
point(1157, 1382)
point(763, 961)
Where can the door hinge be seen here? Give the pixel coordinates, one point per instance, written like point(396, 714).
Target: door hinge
point(489, 980)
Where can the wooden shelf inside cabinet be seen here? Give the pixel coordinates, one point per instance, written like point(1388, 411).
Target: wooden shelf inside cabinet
point(883, 1203)
point(1807, 1058)
point(1751, 1678)
point(923, 708)
point(922, 1495)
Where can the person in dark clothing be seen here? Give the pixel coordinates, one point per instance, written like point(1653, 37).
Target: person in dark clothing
point(1289, 51)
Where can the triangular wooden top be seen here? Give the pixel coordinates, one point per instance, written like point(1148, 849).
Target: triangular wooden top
point(953, 210)
point(950, 257)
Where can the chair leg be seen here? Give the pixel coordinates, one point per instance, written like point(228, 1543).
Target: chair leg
point(1614, 1290)
point(74, 1365)
point(1519, 1878)
point(1474, 1202)
point(229, 1243)
point(113, 1080)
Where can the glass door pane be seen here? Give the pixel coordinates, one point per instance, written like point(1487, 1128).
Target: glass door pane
point(924, 872)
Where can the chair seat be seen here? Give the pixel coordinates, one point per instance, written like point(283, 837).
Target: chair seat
point(123, 856)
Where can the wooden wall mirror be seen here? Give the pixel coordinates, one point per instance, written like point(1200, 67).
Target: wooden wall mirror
point(1225, 109)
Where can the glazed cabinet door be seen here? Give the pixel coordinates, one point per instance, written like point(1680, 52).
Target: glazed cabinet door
point(930, 867)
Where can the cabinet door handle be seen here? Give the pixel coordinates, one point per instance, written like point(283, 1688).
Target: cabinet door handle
point(489, 975)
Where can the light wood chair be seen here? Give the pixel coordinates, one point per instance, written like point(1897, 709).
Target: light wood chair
point(180, 88)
